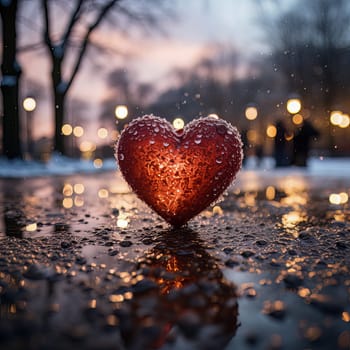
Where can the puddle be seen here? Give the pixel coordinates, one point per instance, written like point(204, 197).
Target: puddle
point(265, 268)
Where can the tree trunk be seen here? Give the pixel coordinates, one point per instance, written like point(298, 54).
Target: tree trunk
point(11, 71)
point(59, 91)
point(59, 145)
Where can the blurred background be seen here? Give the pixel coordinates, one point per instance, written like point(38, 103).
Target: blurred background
point(74, 73)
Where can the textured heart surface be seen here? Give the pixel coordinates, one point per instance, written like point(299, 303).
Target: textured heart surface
point(179, 173)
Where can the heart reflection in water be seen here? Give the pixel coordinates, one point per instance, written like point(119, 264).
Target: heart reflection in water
point(180, 298)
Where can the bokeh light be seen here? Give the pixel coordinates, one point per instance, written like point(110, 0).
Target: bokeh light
point(293, 105)
point(345, 121)
point(297, 119)
point(271, 131)
point(67, 129)
point(338, 198)
point(29, 104)
point(78, 131)
point(103, 193)
point(289, 136)
point(79, 188)
point(98, 163)
point(87, 146)
point(102, 133)
point(251, 113)
point(122, 223)
point(270, 193)
point(67, 190)
point(31, 227)
point(178, 123)
point(336, 117)
point(121, 112)
point(252, 135)
point(78, 201)
point(67, 203)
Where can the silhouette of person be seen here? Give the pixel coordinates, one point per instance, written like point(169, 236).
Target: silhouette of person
point(280, 150)
point(301, 145)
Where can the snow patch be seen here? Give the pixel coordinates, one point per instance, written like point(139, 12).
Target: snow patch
point(9, 80)
point(57, 165)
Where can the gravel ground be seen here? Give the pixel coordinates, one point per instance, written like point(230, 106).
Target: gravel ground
point(85, 265)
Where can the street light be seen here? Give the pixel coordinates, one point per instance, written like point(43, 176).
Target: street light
point(293, 105)
point(121, 112)
point(29, 105)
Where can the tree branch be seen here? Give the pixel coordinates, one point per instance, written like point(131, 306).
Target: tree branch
point(46, 34)
point(93, 26)
point(72, 22)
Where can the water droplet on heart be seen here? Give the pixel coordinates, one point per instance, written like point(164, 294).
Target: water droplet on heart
point(197, 141)
point(165, 144)
point(152, 142)
point(135, 133)
point(229, 132)
point(156, 129)
point(121, 156)
point(218, 160)
point(221, 129)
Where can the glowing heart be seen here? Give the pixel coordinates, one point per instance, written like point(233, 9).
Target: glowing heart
point(179, 173)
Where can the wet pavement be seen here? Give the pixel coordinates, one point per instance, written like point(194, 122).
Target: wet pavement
point(85, 265)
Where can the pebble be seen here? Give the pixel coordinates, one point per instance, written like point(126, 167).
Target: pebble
point(231, 263)
point(341, 245)
point(113, 252)
point(292, 281)
point(125, 244)
point(247, 253)
point(305, 236)
point(65, 244)
point(80, 260)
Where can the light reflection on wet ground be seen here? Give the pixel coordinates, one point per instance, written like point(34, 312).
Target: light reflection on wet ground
point(84, 249)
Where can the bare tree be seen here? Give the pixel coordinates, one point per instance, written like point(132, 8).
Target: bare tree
point(11, 72)
point(58, 51)
point(88, 14)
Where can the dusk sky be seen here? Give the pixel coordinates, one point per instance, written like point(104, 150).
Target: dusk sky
point(198, 27)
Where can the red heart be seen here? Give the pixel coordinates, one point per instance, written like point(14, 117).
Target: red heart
point(179, 173)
